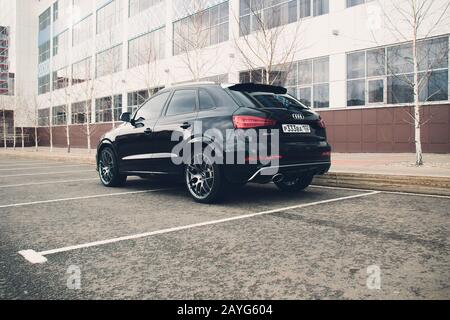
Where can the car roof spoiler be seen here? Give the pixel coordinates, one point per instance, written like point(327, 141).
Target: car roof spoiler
point(253, 87)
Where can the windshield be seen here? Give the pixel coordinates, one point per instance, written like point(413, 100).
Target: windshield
point(280, 101)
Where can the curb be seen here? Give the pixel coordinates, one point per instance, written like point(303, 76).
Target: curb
point(381, 182)
point(82, 159)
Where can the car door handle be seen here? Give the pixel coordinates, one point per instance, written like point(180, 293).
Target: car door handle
point(148, 131)
point(185, 125)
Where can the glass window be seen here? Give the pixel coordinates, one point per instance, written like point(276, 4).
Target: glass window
point(205, 100)
point(109, 61)
point(304, 95)
point(351, 3)
point(182, 102)
point(433, 54)
point(44, 84)
point(434, 86)
point(44, 19)
point(137, 6)
point(400, 59)
point(152, 109)
point(320, 7)
point(321, 96)
point(400, 89)
point(61, 43)
point(44, 117)
point(305, 8)
point(321, 70)
point(376, 63)
point(82, 31)
point(202, 29)
point(305, 72)
point(356, 93)
point(376, 91)
point(109, 16)
point(44, 52)
point(81, 71)
point(392, 67)
point(107, 107)
point(254, 15)
point(61, 78)
point(55, 11)
point(356, 65)
point(59, 115)
point(146, 48)
point(80, 111)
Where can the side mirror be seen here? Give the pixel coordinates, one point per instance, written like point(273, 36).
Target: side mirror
point(125, 117)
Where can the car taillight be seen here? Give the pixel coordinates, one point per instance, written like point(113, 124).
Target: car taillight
point(322, 124)
point(248, 122)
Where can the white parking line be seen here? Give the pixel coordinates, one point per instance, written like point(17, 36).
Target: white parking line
point(45, 173)
point(14, 164)
point(39, 257)
point(47, 167)
point(46, 182)
point(388, 192)
point(79, 198)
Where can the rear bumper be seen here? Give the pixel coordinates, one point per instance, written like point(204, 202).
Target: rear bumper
point(314, 168)
point(264, 174)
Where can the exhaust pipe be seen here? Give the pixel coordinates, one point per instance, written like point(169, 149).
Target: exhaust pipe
point(278, 178)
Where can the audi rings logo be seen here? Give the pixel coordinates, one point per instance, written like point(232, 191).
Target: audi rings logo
point(298, 116)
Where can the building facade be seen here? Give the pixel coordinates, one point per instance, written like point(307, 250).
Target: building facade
point(89, 61)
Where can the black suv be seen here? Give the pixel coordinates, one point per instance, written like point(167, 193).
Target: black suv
point(217, 136)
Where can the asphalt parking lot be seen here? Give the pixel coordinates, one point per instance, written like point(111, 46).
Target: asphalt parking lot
point(149, 240)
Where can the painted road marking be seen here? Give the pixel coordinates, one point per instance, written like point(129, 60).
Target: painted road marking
point(15, 164)
point(45, 173)
point(388, 192)
point(48, 167)
point(80, 198)
point(39, 257)
point(46, 182)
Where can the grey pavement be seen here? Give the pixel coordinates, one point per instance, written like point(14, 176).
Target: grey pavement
point(289, 251)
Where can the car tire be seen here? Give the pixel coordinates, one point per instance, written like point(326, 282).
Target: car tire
point(108, 169)
point(204, 180)
point(298, 184)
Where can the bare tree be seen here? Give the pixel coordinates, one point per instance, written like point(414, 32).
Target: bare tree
point(143, 61)
point(4, 127)
point(192, 35)
point(413, 21)
point(64, 96)
point(264, 44)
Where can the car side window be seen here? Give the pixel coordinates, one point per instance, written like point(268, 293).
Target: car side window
point(151, 110)
point(183, 101)
point(205, 100)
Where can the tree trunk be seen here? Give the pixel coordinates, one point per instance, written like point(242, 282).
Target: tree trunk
point(417, 122)
point(14, 133)
point(4, 130)
point(36, 141)
point(22, 137)
point(68, 137)
point(51, 138)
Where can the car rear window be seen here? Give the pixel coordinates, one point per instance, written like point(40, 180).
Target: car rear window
point(279, 101)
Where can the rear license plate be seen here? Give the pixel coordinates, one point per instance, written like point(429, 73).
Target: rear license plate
point(296, 128)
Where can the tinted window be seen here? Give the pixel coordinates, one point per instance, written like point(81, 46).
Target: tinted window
point(206, 102)
point(279, 101)
point(183, 101)
point(151, 110)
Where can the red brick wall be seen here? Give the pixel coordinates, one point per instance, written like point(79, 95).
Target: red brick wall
point(78, 136)
point(359, 130)
point(387, 129)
